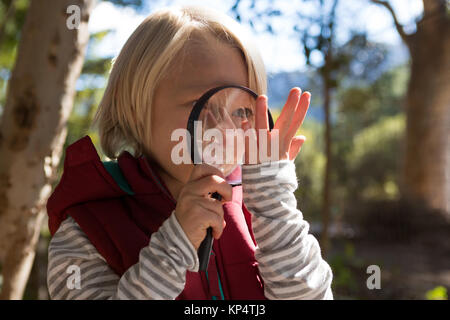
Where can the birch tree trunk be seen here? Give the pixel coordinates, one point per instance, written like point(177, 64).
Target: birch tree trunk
point(33, 129)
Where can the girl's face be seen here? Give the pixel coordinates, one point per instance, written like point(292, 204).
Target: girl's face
point(205, 65)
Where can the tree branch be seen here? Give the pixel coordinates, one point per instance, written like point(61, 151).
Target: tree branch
point(398, 26)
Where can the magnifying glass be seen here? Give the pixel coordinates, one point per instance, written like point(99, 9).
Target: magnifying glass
point(214, 126)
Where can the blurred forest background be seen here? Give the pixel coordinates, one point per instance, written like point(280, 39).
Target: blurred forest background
point(373, 174)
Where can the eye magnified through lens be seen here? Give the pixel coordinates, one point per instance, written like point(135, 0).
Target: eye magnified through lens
point(216, 125)
point(222, 115)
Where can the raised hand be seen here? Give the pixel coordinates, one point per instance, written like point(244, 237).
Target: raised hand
point(287, 125)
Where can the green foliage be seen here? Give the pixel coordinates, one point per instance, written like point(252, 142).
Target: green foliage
point(97, 37)
point(367, 137)
point(374, 138)
point(367, 141)
point(344, 266)
point(438, 293)
point(375, 157)
point(96, 66)
point(361, 106)
point(310, 164)
point(11, 29)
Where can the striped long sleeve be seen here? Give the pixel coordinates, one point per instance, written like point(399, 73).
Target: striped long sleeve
point(159, 274)
point(289, 258)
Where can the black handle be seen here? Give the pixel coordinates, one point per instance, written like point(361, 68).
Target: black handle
point(204, 251)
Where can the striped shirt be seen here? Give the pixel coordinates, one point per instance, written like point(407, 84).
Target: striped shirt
point(289, 258)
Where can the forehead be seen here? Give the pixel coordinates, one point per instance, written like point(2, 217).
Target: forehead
point(207, 64)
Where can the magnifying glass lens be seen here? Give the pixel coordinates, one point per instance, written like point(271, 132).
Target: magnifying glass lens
point(224, 118)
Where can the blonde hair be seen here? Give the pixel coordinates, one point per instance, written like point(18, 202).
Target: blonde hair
point(124, 114)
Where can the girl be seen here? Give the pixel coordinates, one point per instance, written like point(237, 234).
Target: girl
point(130, 228)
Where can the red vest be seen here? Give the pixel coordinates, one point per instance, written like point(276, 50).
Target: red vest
point(120, 224)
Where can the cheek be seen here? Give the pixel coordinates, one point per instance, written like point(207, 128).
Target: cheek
point(163, 127)
point(164, 124)
point(166, 120)
point(166, 129)
point(163, 151)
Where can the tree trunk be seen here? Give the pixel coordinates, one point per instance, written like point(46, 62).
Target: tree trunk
point(426, 175)
point(33, 129)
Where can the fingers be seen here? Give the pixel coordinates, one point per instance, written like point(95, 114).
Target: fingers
point(203, 170)
point(261, 117)
point(261, 121)
point(196, 210)
point(288, 123)
point(299, 115)
point(250, 143)
point(212, 205)
point(206, 179)
point(288, 110)
point(210, 184)
point(212, 216)
point(214, 221)
point(295, 146)
point(290, 120)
